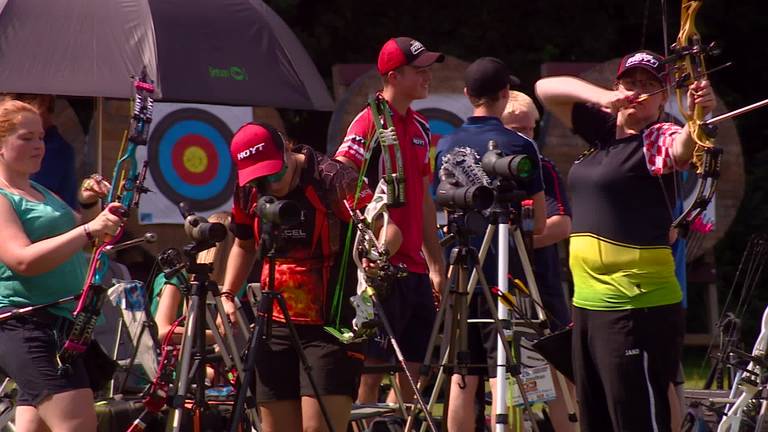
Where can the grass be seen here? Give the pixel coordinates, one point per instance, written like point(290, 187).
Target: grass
point(695, 368)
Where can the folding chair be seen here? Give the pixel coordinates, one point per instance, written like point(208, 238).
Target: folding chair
point(129, 297)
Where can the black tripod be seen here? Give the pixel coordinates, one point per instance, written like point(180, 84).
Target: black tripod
point(191, 370)
point(270, 233)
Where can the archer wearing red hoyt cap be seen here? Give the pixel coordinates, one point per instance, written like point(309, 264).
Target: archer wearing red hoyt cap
point(258, 151)
point(303, 265)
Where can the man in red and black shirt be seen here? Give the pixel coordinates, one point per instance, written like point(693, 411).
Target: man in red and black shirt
point(306, 266)
point(404, 65)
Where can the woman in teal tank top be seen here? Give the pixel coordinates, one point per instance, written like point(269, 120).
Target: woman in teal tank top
point(41, 261)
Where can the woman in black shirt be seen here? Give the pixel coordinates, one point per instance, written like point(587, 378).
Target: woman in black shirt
point(627, 314)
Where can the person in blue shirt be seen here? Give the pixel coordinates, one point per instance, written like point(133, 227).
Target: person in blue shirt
point(487, 83)
point(57, 172)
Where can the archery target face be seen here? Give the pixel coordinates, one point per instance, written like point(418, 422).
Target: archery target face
point(444, 112)
point(189, 158)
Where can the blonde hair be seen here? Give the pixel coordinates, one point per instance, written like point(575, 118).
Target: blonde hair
point(10, 115)
point(520, 102)
point(218, 255)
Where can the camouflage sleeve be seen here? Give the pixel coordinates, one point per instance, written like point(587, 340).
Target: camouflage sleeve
point(341, 183)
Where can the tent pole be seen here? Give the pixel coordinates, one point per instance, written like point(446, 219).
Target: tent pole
point(100, 143)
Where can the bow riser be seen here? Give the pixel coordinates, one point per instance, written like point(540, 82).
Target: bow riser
point(689, 52)
point(688, 55)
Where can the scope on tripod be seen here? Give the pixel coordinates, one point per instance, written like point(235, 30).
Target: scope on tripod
point(278, 212)
point(451, 194)
point(201, 231)
point(496, 163)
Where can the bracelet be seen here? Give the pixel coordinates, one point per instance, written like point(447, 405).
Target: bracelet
point(228, 295)
point(86, 206)
point(89, 234)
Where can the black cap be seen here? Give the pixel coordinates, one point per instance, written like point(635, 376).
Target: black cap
point(487, 76)
point(644, 59)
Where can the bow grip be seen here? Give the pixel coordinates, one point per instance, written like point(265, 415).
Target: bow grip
point(120, 212)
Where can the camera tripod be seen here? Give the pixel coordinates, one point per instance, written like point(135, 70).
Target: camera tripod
point(513, 231)
point(500, 215)
point(453, 313)
point(191, 366)
point(263, 332)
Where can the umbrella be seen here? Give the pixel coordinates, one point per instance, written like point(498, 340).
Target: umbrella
point(228, 52)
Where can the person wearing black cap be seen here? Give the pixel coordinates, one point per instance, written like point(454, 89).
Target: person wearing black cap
point(487, 84)
point(628, 324)
point(306, 268)
point(404, 65)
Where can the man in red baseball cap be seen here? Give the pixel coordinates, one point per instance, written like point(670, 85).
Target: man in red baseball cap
point(307, 266)
point(401, 51)
point(405, 68)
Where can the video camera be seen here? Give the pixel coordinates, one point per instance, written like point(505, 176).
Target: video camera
point(511, 173)
point(273, 215)
point(453, 195)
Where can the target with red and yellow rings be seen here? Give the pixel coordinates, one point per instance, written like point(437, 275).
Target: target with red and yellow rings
point(189, 158)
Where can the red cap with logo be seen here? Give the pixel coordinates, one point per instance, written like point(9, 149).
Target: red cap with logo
point(403, 51)
point(258, 151)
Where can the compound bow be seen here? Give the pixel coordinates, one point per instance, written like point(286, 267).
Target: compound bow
point(127, 187)
point(688, 54)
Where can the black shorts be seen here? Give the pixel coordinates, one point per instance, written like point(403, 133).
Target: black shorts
point(556, 305)
point(28, 356)
point(481, 337)
point(410, 309)
point(623, 364)
point(336, 367)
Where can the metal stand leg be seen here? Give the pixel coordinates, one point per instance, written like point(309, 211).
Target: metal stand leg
point(191, 366)
point(261, 335)
point(453, 313)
